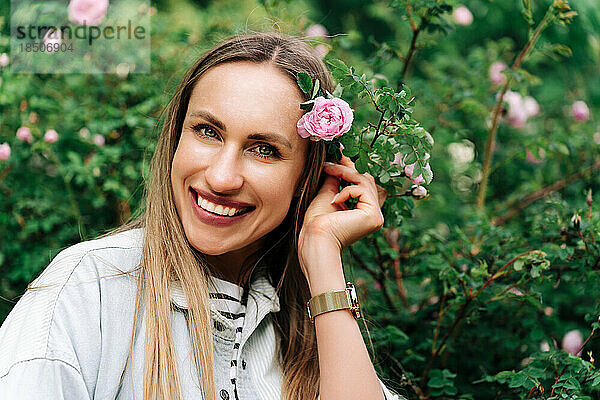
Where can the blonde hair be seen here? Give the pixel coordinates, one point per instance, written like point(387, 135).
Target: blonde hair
point(168, 257)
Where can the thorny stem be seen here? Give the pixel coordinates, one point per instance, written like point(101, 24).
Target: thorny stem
point(487, 159)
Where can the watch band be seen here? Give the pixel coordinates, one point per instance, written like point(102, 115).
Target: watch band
point(334, 300)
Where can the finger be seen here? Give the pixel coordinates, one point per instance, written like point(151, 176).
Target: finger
point(331, 184)
point(345, 160)
point(366, 200)
point(381, 195)
point(345, 172)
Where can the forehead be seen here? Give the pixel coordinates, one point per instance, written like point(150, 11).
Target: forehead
point(250, 96)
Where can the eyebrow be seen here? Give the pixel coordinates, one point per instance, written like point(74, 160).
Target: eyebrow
point(267, 136)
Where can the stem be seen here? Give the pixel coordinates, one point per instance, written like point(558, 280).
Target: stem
point(527, 200)
point(487, 160)
point(377, 132)
point(411, 51)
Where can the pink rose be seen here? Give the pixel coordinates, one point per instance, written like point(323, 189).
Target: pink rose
point(316, 31)
point(580, 111)
point(409, 169)
point(24, 134)
point(572, 342)
point(495, 72)
point(50, 136)
point(321, 50)
point(462, 16)
point(87, 12)
point(98, 140)
point(328, 119)
point(4, 151)
point(4, 60)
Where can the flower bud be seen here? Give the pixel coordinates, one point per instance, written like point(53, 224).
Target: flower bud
point(4, 151)
point(316, 31)
point(576, 220)
point(462, 16)
point(495, 73)
point(572, 342)
point(589, 198)
point(4, 60)
point(418, 191)
point(84, 133)
point(99, 140)
point(24, 134)
point(50, 136)
point(532, 108)
point(544, 346)
point(33, 117)
point(580, 111)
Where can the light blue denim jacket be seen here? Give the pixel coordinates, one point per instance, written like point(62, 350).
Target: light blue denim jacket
point(69, 338)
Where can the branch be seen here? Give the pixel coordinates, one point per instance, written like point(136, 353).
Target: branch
point(489, 145)
point(527, 200)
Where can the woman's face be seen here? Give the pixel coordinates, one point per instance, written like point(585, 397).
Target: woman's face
point(239, 154)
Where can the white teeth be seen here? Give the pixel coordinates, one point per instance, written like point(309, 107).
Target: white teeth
point(217, 209)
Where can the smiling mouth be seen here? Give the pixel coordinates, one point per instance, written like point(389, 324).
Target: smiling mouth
point(217, 209)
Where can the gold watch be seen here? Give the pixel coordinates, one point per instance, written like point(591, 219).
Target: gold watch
point(334, 300)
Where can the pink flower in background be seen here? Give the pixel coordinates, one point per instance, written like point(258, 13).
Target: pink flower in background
point(4, 60)
point(328, 119)
point(580, 111)
point(532, 108)
point(462, 16)
point(377, 285)
point(321, 50)
point(50, 136)
point(495, 72)
point(516, 114)
point(4, 151)
point(544, 346)
point(98, 140)
point(87, 12)
point(409, 169)
point(572, 342)
point(52, 40)
point(24, 134)
point(316, 31)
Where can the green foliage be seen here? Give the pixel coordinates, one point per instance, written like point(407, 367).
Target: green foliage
point(463, 302)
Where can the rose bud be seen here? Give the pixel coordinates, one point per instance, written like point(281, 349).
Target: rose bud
point(50, 136)
point(24, 134)
point(316, 31)
point(4, 60)
point(580, 111)
point(418, 191)
point(462, 16)
point(572, 342)
point(576, 220)
point(99, 140)
point(4, 151)
point(495, 72)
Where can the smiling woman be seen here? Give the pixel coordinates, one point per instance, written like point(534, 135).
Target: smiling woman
point(204, 296)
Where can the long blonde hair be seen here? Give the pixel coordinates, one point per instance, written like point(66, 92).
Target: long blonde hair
point(168, 257)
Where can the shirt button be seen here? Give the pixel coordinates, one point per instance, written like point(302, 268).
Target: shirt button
point(224, 394)
point(243, 364)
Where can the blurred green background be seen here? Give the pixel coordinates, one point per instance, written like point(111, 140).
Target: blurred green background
point(444, 320)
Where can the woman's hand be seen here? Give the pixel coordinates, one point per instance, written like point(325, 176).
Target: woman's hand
point(328, 223)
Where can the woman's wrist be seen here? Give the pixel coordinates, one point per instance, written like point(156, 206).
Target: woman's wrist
point(322, 265)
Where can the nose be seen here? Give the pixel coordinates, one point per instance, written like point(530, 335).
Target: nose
point(224, 172)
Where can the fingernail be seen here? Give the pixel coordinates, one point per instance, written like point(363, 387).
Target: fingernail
point(334, 197)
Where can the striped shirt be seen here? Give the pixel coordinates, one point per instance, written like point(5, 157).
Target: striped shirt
point(70, 338)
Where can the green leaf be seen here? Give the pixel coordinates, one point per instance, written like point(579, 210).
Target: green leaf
point(427, 175)
point(305, 82)
point(316, 88)
point(384, 176)
point(362, 164)
point(338, 91)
